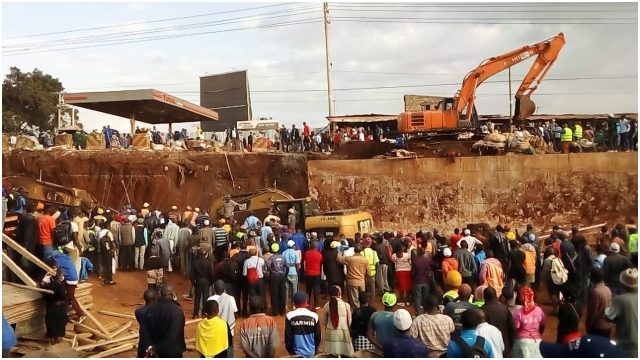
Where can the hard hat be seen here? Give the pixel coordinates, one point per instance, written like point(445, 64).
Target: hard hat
point(454, 278)
point(292, 211)
point(145, 205)
point(222, 221)
point(100, 211)
point(389, 299)
point(174, 207)
point(275, 247)
point(197, 209)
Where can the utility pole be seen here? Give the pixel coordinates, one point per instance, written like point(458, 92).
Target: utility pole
point(328, 60)
point(60, 104)
point(510, 99)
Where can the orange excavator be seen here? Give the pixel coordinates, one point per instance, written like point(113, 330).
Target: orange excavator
point(459, 113)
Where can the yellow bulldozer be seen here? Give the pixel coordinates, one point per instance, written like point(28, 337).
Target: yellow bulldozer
point(309, 218)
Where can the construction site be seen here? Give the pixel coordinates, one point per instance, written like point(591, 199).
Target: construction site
point(440, 165)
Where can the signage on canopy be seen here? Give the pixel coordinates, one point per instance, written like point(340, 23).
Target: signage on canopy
point(258, 125)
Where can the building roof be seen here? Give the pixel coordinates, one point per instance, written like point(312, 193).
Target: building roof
point(364, 118)
point(147, 105)
point(562, 117)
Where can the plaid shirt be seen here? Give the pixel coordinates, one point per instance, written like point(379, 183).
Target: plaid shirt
point(434, 331)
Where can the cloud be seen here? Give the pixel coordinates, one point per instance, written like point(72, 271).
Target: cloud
point(363, 55)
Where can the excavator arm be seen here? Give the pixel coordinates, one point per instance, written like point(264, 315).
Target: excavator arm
point(546, 51)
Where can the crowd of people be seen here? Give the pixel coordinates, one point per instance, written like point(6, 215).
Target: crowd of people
point(463, 295)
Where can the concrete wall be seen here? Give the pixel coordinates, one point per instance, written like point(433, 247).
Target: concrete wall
point(580, 189)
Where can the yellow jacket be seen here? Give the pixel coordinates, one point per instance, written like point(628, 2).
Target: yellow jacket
point(212, 336)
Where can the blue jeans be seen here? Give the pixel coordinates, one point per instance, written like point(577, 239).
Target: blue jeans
point(420, 293)
point(291, 284)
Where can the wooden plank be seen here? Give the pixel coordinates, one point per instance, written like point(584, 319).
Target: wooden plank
point(27, 287)
point(110, 352)
point(107, 342)
point(580, 229)
point(192, 321)
point(90, 329)
point(117, 314)
point(122, 329)
point(95, 321)
point(6, 260)
point(24, 252)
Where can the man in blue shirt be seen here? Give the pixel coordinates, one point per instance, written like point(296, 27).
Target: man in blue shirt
point(292, 262)
point(300, 240)
point(9, 339)
point(403, 345)
point(470, 320)
point(302, 334)
point(251, 222)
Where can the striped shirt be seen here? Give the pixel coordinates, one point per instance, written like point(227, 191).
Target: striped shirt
point(259, 336)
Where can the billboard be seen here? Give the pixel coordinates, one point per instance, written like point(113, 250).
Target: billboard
point(228, 95)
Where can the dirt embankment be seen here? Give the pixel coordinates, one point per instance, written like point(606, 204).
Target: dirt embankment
point(161, 178)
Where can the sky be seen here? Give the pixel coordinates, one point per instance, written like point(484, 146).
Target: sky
point(379, 52)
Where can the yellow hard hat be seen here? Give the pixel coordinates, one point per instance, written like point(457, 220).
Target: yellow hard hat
point(453, 278)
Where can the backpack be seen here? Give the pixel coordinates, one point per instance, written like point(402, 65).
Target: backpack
point(252, 275)
point(559, 275)
point(62, 233)
point(475, 351)
point(277, 267)
point(232, 269)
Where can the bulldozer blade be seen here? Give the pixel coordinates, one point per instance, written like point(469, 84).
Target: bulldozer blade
point(527, 108)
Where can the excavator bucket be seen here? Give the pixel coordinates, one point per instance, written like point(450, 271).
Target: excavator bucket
point(526, 108)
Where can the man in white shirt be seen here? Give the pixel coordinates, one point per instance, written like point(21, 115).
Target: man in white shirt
point(227, 309)
point(471, 240)
point(492, 334)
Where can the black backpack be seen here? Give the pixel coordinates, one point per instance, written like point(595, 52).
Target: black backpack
point(62, 233)
point(232, 269)
point(477, 351)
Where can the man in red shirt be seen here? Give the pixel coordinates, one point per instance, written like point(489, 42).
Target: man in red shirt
point(454, 239)
point(306, 141)
point(312, 270)
point(46, 224)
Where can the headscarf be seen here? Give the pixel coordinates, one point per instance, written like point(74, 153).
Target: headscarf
point(335, 292)
point(526, 297)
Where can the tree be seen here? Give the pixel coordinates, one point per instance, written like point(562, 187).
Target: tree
point(29, 98)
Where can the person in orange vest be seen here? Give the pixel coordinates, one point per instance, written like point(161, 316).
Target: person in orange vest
point(529, 262)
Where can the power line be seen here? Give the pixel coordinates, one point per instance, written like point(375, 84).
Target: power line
point(297, 22)
point(146, 22)
point(478, 5)
point(479, 21)
point(124, 35)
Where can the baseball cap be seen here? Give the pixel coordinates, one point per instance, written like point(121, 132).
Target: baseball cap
point(389, 299)
point(587, 346)
point(291, 243)
point(275, 247)
point(614, 247)
point(300, 298)
point(446, 252)
point(467, 232)
point(402, 319)
point(207, 222)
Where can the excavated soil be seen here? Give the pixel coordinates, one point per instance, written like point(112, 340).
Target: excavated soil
point(161, 178)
